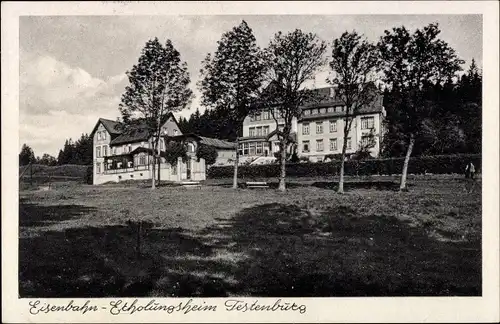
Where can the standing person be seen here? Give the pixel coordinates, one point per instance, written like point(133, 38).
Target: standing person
point(472, 170)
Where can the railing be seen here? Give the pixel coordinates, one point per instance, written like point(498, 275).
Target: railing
point(125, 170)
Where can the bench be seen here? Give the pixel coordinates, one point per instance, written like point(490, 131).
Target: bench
point(255, 184)
point(191, 184)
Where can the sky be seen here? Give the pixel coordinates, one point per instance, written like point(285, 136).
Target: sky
point(72, 68)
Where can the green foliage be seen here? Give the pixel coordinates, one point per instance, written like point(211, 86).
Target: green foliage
point(439, 164)
point(173, 151)
point(208, 153)
point(26, 156)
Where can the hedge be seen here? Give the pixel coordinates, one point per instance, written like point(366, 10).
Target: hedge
point(437, 164)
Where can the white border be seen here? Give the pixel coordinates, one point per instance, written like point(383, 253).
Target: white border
point(465, 309)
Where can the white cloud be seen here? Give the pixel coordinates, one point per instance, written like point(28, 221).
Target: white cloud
point(58, 101)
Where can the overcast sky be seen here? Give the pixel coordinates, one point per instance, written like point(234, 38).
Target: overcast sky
point(72, 69)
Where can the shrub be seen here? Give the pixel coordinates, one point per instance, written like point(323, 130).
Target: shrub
point(208, 153)
point(439, 164)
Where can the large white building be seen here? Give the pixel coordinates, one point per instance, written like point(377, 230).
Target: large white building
point(317, 133)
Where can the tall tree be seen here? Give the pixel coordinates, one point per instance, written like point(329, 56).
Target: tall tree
point(354, 63)
point(293, 59)
point(158, 85)
point(231, 78)
point(26, 156)
point(410, 61)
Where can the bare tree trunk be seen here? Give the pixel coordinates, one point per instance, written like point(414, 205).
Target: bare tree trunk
point(341, 179)
point(159, 163)
point(236, 161)
point(340, 189)
point(153, 171)
point(282, 186)
point(405, 165)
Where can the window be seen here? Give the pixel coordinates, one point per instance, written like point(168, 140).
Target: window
point(348, 143)
point(265, 130)
point(175, 132)
point(305, 129)
point(98, 151)
point(367, 122)
point(366, 140)
point(331, 109)
point(259, 131)
point(314, 111)
point(259, 148)
point(305, 146)
point(338, 109)
point(173, 168)
point(103, 135)
point(319, 145)
point(252, 118)
point(114, 150)
point(322, 110)
point(98, 167)
point(129, 148)
point(190, 147)
point(333, 144)
point(265, 115)
point(105, 150)
point(245, 149)
point(333, 126)
point(142, 159)
point(307, 112)
point(98, 136)
point(257, 117)
point(251, 148)
point(251, 131)
point(319, 128)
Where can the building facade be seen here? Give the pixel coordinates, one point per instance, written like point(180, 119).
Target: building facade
point(318, 133)
point(119, 155)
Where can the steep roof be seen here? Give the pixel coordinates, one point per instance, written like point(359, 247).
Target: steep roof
point(138, 134)
point(110, 125)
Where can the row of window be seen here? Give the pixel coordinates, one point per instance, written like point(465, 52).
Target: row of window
point(366, 123)
point(266, 115)
point(320, 146)
point(254, 148)
point(324, 110)
point(142, 161)
point(258, 131)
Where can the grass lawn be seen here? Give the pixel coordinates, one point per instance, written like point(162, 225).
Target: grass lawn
point(83, 241)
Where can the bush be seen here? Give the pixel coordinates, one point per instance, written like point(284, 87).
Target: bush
point(438, 164)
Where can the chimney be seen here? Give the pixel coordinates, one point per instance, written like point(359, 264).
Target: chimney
point(332, 92)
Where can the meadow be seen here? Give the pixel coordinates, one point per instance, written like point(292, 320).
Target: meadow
point(78, 240)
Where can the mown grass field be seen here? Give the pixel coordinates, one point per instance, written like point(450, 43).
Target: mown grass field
point(79, 240)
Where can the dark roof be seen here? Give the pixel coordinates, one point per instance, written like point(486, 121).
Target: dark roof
point(136, 133)
point(374, 107)
point(215, 142)
point(139, 134)
point(113, 127)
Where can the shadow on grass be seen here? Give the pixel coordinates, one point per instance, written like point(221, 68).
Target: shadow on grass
point(353, 185)
point(293, 253)
point(267, 250)
point(32, 215)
